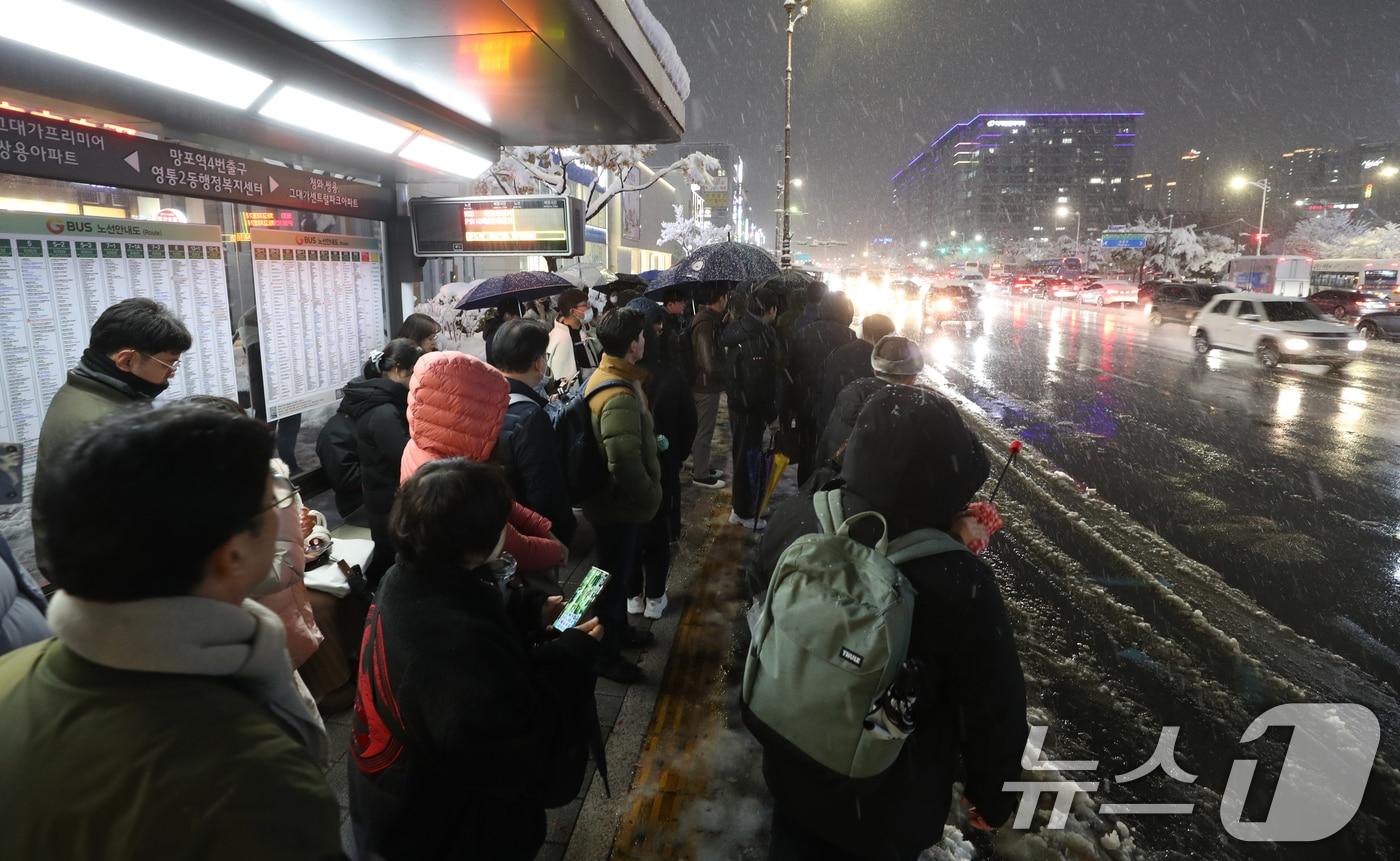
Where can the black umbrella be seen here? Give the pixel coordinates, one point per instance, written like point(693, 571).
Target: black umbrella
point(723, 261)
point(516, 286)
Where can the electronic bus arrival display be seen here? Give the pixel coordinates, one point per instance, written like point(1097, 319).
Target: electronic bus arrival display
point(547, 225)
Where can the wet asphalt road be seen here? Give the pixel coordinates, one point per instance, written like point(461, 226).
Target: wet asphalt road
point(1285, 482)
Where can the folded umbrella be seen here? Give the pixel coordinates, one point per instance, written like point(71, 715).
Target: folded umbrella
point(779, 465)
point(516, 286)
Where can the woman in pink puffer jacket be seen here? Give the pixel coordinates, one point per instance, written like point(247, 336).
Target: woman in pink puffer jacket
point(456, 406)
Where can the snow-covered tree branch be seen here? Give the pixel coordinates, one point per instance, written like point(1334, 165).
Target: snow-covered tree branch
point(690, 232)
point(1339, 234)
point(526, 170)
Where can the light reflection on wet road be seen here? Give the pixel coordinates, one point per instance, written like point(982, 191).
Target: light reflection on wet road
point(1285, 482)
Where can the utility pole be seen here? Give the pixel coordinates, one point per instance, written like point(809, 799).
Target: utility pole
point(796, 10)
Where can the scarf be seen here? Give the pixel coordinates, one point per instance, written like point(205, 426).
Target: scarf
point(199, 637)
point(99, 368)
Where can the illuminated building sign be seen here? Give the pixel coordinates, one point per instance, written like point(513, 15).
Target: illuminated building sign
point(1372, 163)
point(1005, 124)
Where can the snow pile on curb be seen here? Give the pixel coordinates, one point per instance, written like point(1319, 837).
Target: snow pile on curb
point(663, 46)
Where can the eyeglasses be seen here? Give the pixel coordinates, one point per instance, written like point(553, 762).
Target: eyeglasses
point(284, 493)
point(172, 367)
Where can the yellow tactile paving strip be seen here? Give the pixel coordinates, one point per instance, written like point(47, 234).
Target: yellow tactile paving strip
point(670, 773)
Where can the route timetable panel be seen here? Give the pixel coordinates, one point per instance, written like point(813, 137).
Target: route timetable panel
point(320, 314)
point(58, 273)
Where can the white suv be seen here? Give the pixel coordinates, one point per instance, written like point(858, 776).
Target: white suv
point(1276, 329)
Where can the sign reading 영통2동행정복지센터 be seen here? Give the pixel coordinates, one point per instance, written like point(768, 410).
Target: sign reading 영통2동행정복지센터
point(320, 299)
point(58, 149)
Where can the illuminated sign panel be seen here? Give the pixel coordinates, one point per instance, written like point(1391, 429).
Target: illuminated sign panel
point(548, 225)
point(1005, 124)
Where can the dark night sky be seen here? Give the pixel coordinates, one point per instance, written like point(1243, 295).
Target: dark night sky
point(877, 79)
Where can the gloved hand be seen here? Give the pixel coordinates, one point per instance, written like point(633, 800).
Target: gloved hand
point(976, 526)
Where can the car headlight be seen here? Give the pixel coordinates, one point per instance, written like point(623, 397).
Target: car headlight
point(944, 305)
point(1356, 345)
point(1295, 345)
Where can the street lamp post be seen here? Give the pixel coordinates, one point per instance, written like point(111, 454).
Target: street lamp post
point(1063, 212)
point(1263, 186)
point(796, 9)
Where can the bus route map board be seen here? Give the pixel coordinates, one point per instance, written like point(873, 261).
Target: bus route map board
point(320, 314)
point(58, 273)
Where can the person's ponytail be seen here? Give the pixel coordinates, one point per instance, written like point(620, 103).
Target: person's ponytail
point(400, 353)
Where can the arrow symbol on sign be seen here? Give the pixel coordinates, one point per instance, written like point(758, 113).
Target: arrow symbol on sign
point(271, 184)
point(134, 160)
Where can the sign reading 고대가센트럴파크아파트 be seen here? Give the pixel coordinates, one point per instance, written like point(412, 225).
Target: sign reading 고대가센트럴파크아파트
point(56, 149)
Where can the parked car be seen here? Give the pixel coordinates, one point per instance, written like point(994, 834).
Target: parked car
point(1103, 293)
point(1382, 325)
point(1348, 305)
point(1278, 330)
point(1178, 303)
point(954, 303)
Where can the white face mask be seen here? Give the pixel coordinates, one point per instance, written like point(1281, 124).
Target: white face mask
point(439, 342)
point(588, 316)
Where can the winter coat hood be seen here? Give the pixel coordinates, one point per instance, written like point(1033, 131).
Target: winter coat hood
point(941, 463)
point(361, 396)
point(456, 405)
point(835, 306)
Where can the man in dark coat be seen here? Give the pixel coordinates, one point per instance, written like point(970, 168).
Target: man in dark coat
point(340, 458)
point(528, 448)
point(755, 396)
point(810, 348)
point(971, 705)
point(851, 361)
point(673, 409)
point(709, 375)
point(132, 355)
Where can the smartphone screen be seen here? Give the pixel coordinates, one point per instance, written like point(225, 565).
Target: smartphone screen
point(584, 596)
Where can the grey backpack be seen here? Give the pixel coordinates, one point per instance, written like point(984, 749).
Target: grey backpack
point(830, 640)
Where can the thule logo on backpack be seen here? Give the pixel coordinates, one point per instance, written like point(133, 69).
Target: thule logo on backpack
point(848, 655)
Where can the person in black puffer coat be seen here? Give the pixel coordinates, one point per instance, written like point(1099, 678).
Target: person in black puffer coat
point(970, 716)
point(471, 717)
point(339, 453)
point(756, 393)
point(851, 362)
point(673, 411)
point(378, 405)
point(811, 346)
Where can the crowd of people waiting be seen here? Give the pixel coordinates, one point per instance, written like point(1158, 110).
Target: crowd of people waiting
point(157, 710)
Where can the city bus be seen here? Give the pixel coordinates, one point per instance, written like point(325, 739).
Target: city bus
point(1370, 276)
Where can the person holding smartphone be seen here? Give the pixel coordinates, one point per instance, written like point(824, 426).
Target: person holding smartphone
point(464, 732)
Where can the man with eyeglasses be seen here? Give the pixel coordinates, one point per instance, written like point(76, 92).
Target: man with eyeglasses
point(163, 719)
point(133, 352)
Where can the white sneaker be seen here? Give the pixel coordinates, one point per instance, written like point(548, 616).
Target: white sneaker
point(753, 523)
point(655, 607)
point(635, 605)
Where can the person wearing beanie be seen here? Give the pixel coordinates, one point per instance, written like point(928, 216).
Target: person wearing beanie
point(970, 712)
point(895, 360)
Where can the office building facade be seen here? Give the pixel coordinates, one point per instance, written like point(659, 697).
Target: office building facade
point(1019, 176)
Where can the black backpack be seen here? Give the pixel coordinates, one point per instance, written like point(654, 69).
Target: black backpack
point(585, 467)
